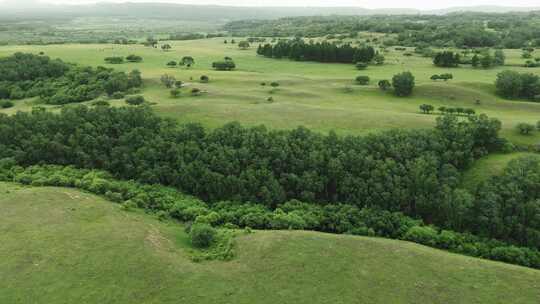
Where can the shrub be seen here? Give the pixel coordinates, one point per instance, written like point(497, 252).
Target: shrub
point(117, 95)
point(384, 84)
point(196, 91)
point(362, 80)
point(227, 65)
point(274, 84)
point(525, 128)
point(204, 79)
point(172, 64)
point(202, 235)
point(114, 60)
point(6, 104)
point(133, 58)
point(101, 103)
point(361, 65)
point(423, 235)
point(135, 100)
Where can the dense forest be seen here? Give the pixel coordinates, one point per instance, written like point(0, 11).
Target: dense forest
point(56, 82)
point(416, 173)
point(298, 49)
point(509, 30)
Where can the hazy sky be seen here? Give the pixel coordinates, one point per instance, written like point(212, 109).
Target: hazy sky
point(420, 4)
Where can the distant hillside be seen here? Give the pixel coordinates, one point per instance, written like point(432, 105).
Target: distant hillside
point(65, 246)
point(211, 12)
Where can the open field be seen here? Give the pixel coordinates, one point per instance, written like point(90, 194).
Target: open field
point(63, 246)
point(320, 96)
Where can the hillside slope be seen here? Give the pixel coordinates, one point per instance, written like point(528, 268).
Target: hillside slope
point(65, 246)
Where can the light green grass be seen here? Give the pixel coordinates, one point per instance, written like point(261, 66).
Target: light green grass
point(489, 166)
point(65, 246)
point(311, 94)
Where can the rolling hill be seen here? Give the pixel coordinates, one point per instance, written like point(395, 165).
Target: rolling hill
point(64, 246)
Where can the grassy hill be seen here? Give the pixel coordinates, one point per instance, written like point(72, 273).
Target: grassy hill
point(64, 246)
point(319, 96)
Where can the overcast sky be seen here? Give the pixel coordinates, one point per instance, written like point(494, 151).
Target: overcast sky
point(419, 4)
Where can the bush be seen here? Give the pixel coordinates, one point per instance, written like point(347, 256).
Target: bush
point(227, 65)
point(384, 84)
point(135, 100)
point(114, 60)
point(202, 235)
point(205, 79)
point(117, 95)
point(133, 58)
point(525, 128)
point(423, 235)
point(4, 104)
point(361, 65)
point(101, 103)
point(362, 80)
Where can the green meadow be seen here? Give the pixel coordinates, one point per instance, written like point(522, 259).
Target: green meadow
point(320, 96)
point(64, 246)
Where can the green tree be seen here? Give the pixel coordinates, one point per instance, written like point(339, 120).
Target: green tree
point(384, 84)
point(187, 61)
point(403, 83)
point(426, 108)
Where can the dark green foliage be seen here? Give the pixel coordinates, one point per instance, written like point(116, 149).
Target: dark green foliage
point(512, 84)
point(384, 84)
point(172, 64)
point(55, 82)
point(226, 65)
point(4, 104)
point(403, 84)
point(362, 80)
point(361, 65)
point(134, 58)
point(525, 128)
point(135, 100)
point(299, 50)
point(205, 79)
point(426, 108)
point(446, 59)
point(202, 235)
point(114, 60)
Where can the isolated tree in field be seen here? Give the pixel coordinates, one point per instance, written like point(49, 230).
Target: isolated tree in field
point(225, 41)
point(378, 59)
point(168, 80)
point(244, 45)
point(135, 100)
point(475, 61)
point(178, 84)
point(446, 76)
point(171, 64)
point(426, 108)
point(403, 84)
point(114, 60)
point(361, 65)
point(187, 61)
point(226, 65)
point(499, 58)
point(274, 84)
point(384, 84)
point(166, 47)
point(512, 84)
point(435, 77)
point(525, 128)
point(362, 80)
point(204, 79)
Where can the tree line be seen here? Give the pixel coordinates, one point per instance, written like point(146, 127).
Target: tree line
point(299, 50)
point(56, 82)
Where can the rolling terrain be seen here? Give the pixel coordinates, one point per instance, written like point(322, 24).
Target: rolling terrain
point(320, 96)
point(62, 245)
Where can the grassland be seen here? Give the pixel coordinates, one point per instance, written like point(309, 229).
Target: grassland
point(320, 96)
point(65, 246)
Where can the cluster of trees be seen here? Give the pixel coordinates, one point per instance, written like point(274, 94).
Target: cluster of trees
point(55, 82)
point(512, 84)
point(298, 49)
point(428, 109)
point(119, 59)
point(463, 30)
point(227, 64)
point(186, 61)
point(415, 172)
point(336, 218)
